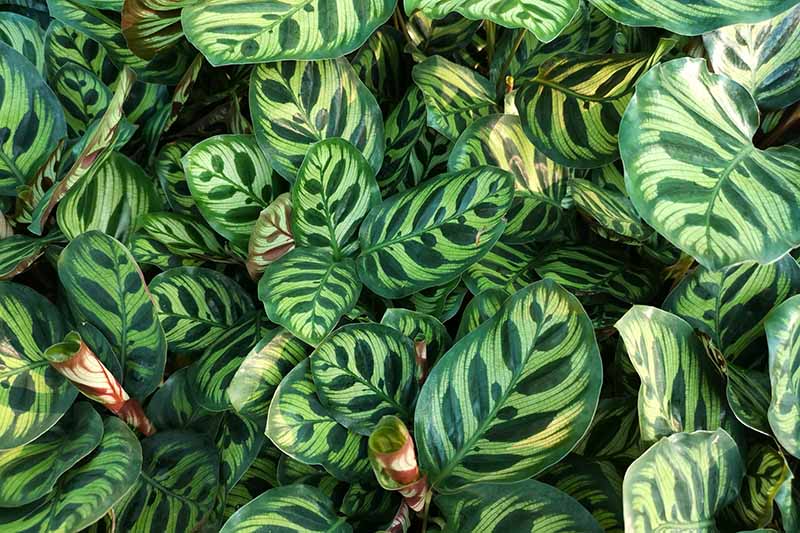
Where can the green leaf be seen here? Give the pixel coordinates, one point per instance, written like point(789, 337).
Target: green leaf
point(525, 506)
point(455, 96)
point(32, 118)
point(262, 370)
point(611, 209)
point(596, 485)
point(180, 474)
point(782, 326)
point(19, 252)
point(588, 269)
point(363, 372)
point(173, 406)
point(260, 477)
point(150, 26)
point(25, 36)
point(748, 393)
point(197, 305)
point(230, 180)
point(87, 492)
point(295, 508)
point(404, 126)
point(546, 20)
point(167, 67)
point(33, 396)
point(679, 390)
point(663, 491)
point(441, 302)
point(105, 287)
point(730, 305)
point(765, 471)
point(254, 31)
point(429, 235)
point(307, 291)
point(540, 184)
point(379, 64)
point(184, 236)
point(239, 439)
point(272, 236)
point(690, 19)
point(110, 200)
point(286, 126)
point(335, 188)
point(572, 109)
point(697, 178)
point(169, 169)
point(31, 471)
point(65, 45)
point(760, 57)
point(212, 374)
point(514, 396)
point(302, 428)
point(507, 266)
point(420, 327)
point(83, 96)
point(481, 308)
point(91, 151)
point(614, 433)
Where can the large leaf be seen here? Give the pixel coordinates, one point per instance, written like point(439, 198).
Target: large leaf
point(693, 172)
point(105, 287)
point(31, 120)
point(335, 188)
point(291, 509)
point(514, 396)
point(730, 305)
point(687, 18)
point(364, 372)
point(25, 36)
point(783, 336)
point(176, 488)
point(31, 471)
point(663, 491)
point(254, 31)
point(540, 184)
point(65, 45)
point(83, 95)
point(762, 57)
point(88, 491)
point(679, 390)
point(196, 305)
point(543, 19)
point(455, 96)
point(429, 235)
point(261, 372)
point(527, 506)
point(572, 109)
point(239, 439)
point(304, 429)
point(184, 236)
point(110, 200)
point(33, 396)
point(230, 179)
point(334, 103)
point(307, 291)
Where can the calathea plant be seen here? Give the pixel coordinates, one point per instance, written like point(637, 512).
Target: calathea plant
point(432, 265)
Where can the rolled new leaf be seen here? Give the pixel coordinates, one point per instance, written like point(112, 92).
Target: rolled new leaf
point(74, 360)
point(394, 461)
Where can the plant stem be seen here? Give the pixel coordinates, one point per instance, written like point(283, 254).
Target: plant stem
point(491, 31)
point(501, 74)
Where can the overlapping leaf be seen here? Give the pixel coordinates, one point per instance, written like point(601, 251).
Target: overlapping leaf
point(529, 375)
point(696, 176)
point(783, 336)
point(106, 288)
point(430, 234)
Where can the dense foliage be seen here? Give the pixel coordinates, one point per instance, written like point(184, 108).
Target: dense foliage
point(368, 265)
